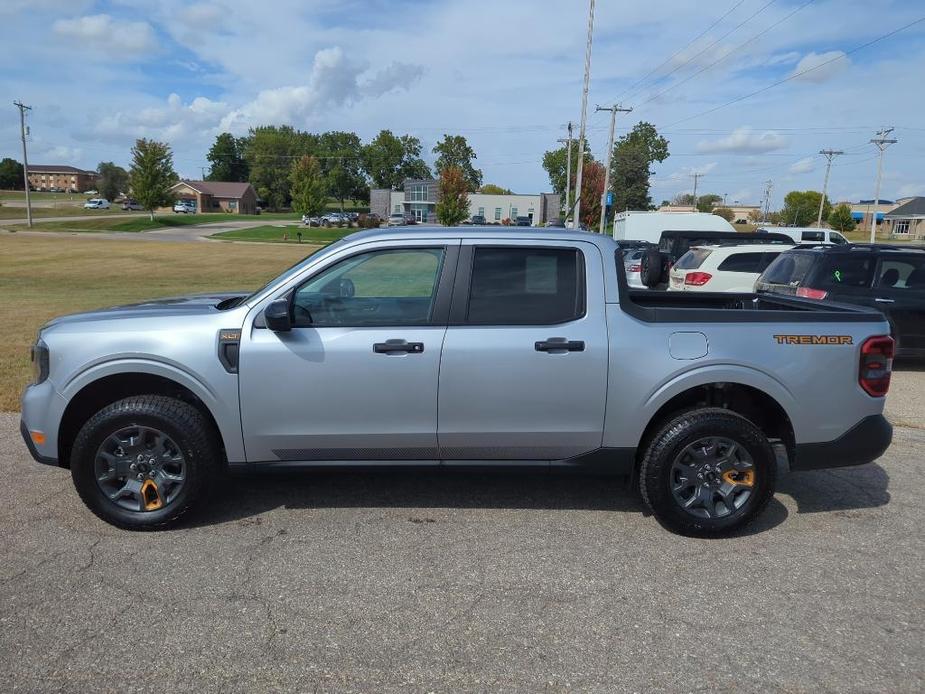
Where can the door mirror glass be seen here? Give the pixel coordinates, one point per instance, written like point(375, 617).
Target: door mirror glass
point(277, 317)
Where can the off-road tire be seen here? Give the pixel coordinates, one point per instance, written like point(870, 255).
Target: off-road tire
point(672, 438)
point(182, 422)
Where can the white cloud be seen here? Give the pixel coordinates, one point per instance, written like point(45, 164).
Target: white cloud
point(744, 141)
point(803, 166)
point(102, 33)
point(335, 80)
point(170, 121)
point(820, 67)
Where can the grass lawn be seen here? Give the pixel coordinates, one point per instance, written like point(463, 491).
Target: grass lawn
point(7, 212)
point(39, 195)
point(41, 278)
point(274, 234)
point(142, 222)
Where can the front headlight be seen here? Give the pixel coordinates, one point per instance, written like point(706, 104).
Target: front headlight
point(39, 362)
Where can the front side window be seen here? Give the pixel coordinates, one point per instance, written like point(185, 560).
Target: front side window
point(837, 238)
point(387, 287)
point(526, 286)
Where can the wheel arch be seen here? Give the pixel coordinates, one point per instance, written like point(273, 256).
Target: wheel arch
point(95, 393)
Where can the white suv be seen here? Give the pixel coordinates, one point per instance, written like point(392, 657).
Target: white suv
point(185, 206)
point(97, 204)
point(722, 268)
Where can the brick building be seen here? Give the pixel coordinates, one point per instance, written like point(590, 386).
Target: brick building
point(218, 196)
point(66, 178)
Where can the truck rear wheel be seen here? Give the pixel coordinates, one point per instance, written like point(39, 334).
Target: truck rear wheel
point(142, 462)
point(707, 472)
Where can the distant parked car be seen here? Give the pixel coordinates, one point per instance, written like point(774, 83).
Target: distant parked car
point(91, 192)
point(97, 204)
point(184, 206)
point(722, 268)
point(396, 220)
point(478, 219)
point(371, 219)
point(410, 219)
point(556, 223)
point(130, 204)
point(311, 221)
point(523, 221)
point(331, 218)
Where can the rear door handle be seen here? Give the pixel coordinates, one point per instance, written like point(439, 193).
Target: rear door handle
point(885, 301)
point(390, 346)
point(559, 344)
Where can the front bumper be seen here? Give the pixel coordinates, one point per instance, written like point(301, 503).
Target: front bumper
point(44, 459)
point(863, 443)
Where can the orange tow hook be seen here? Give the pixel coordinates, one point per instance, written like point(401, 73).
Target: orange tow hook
point(150, 496)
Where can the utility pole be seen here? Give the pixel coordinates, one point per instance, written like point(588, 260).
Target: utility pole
point(766, 205)
point(568, 173)
point(882, 141)
point(696, 177)
point(613, 121)
point(829, 154)
point(25, 159)
point(584, 118)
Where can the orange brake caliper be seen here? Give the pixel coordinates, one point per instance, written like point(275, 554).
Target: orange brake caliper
point(150, 496)
point(745, 479)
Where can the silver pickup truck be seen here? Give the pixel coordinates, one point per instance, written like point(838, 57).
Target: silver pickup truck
point(464, 346)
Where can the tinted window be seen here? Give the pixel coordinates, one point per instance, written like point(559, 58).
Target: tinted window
point(743, 262)
point(788, 268)
point(902, 273)
point(526, 286)
point(836, 270)
point(813, 236)
point(394, 287)
point(835, 237)
point(693, 259)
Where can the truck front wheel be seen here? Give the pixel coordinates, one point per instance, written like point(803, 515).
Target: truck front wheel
point(142, 462)
point(707, 472)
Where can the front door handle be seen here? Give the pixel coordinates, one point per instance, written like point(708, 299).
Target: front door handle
point(559, 344)
point(390, 346)
point(885, 301)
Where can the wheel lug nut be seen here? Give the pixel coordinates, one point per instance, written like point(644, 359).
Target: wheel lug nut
point(132, 466)
point(140, 476)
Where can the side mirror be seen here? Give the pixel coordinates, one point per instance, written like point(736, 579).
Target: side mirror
point(276, 314)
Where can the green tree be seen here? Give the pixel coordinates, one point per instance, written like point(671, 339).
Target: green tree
point(113, 180)
point(633, 157)
point(725, 213)
point(492, 189)
point(152, 174)
point(452, 196)
point(269, 151)
point(592, 188)
point(555, 162)
point(840, 219)
point(309, 189)
point(388, 160)
point(683, 200)
point(227, 159)
point(454, 150)
point(342, 166)
point(706, 202)
point(11, 174)
point(801, 208)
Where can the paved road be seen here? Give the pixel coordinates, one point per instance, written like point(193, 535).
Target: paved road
point(436, 581)
point(198, 232)
point(68, 218)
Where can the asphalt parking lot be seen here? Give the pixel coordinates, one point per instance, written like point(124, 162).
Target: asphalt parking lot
point(437, 581)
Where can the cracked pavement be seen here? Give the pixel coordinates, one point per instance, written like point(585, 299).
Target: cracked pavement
point(453, 581)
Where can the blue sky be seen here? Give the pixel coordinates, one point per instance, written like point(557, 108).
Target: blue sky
point(505, 74)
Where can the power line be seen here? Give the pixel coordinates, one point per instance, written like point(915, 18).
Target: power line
point(680, 50)
point(726, 55)
point(800, 73)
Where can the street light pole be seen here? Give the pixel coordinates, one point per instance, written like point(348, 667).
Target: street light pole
point(568, 173)
point(829, 154)
point(882, 141)
point(613, 121)
point(25, 159)
point(584, 117)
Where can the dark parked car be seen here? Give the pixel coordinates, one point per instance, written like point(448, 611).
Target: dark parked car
point(889, 278)
point(478, 219)
point(523, 221)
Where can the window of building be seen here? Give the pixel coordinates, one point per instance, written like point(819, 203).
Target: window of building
point(418, 191)
point(497, 214)
point(530, 213)
point(526, 286)
point(482, 211)
point(397, 209)
point(392, 287)
point(901, 227)
point(513, 213)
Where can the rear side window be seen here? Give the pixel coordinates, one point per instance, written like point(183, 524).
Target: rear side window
point(693, 259)
point(813, 236)
point(526, 286)
point(788, 268)
point(836, 270)
point(902, 273)
point(743, 262)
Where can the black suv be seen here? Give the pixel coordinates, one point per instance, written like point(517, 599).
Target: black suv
point(889, 278)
